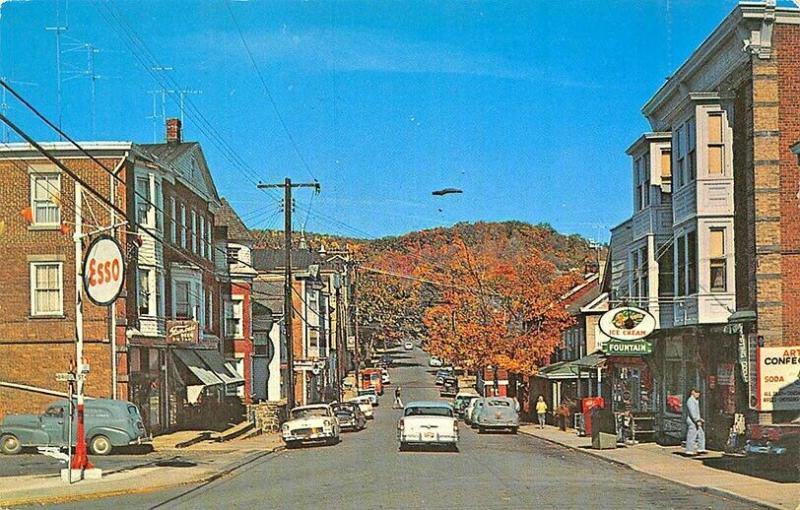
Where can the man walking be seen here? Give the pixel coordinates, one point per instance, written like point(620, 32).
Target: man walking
point(695, 435)
point(398, 404)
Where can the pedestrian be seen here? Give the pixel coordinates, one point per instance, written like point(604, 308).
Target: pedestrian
point(541, 411)
point(695, 434)
point(398, 404)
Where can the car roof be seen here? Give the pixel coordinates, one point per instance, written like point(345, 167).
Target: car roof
point(311, 406)
point(429, 403)
point(466, 394)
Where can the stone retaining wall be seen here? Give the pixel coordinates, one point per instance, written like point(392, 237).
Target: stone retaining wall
point(267, 416)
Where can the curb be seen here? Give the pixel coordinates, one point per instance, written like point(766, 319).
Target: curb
point(709, 490)
point(71, 498)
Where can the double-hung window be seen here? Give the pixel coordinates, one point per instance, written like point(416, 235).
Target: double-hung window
point(183, 307)
point(193, 241)
point(202, 236)
point(183, 226)
point(143, 200)
point(716, 147)
point(145, 291)
point(172, 221)
point(717, 264)
point(47, 288)
point(45, 190)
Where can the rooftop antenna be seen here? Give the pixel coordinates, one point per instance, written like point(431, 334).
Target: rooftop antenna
point(59, 29)
point(182, 93)
point(4, 106)
point(155, 116)
point(88, 72)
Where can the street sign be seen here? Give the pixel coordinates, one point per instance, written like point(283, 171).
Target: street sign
point(103, 270)
point(65, 377)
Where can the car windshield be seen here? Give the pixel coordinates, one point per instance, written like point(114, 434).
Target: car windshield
point(428, 411)
point(309, 412)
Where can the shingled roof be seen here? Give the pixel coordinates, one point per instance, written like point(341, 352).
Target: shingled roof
point(227, 217)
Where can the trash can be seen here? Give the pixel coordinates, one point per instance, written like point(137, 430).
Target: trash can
point(604, 434)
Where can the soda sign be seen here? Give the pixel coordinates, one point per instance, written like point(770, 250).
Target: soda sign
point(779, 378)
point(627, 323)
point(103, 270)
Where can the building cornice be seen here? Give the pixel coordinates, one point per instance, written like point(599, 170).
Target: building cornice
point(647, 138)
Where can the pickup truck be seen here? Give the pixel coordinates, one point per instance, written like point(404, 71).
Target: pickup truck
point(779, 443)
point(427, 423)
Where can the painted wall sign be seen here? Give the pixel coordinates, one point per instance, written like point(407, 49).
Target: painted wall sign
point(627, 323)
point(103, 270)
point(779, 378)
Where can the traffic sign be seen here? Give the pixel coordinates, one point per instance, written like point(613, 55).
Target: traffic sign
point(103, 270)
point(65, 376)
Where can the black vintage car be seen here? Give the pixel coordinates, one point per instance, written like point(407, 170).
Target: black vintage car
point(449, 387)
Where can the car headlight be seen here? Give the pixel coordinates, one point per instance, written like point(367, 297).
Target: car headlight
point(326, 423)
point(286, 428)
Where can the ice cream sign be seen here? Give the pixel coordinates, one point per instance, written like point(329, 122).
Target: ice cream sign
point(628, 327)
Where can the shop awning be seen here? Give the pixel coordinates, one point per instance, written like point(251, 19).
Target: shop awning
point(591, 361)
point(216, 362)
point(197, 367)
point(559, 370)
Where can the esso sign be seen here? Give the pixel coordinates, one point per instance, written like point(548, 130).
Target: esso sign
point(103, 270)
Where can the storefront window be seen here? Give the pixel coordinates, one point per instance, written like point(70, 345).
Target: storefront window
point(673, 386)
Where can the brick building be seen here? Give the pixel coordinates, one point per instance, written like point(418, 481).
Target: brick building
point(712, 248)
point(37, 295)
point(166, 354)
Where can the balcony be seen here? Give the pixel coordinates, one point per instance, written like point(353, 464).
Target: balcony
point(653, 220)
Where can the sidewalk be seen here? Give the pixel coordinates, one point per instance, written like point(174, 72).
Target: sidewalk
point(224, 458)
point(669, 464)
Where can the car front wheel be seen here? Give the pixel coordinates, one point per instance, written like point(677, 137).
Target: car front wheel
point(100, 445)
point(10, 445)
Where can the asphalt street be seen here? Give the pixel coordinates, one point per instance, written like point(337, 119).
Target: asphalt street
point(491, 471)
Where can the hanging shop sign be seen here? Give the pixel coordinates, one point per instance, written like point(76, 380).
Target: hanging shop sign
point(103, 270)
point(779, 378)
point(183, 332)
point(627, 327)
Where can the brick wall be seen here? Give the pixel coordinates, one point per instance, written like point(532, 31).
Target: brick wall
point(33, 349)
point(787, 44)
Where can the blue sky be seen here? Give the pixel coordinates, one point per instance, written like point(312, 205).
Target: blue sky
point(527, 106)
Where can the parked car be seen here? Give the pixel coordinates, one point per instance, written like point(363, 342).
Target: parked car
point(462, 400)
point(449, 387)
point(350, 416)
point(313, 423)
point(371, 394)
point(435, 361)
point(385, 379)
point(498, 413)
point(441, 374)
point(473, 413)
point(778, 444)
point(108, 424)
point(386, 360)
point(427, 423)
point(365, 404)
point(408, 345)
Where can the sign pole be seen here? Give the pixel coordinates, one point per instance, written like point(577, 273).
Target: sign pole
point(80, 460)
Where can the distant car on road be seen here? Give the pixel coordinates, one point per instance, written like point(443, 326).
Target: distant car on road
point(498, 413)
point(371, 394)
point(108, 424)
point(441, 374)
point(462, 400)
point(427, 423)
point(408, 345)
point(313, 423)
point(365, 404)
point(472, 411)
point(350, 416)
point(435, 361)
point(449, 387)
point(385, 379)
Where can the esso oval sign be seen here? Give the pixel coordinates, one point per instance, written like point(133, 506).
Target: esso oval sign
point(103, 270)
point(627, 323)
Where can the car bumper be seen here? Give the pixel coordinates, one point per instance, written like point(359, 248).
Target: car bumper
point(428, 438)
point(141, 440)
point(317, 436)
point(496, 425)
point(765, 449)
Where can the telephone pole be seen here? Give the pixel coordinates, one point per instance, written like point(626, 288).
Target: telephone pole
point(288, 307)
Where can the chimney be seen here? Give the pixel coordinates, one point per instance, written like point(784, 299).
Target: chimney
point(173, 130)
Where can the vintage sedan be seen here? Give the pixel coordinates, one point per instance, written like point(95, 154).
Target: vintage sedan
point(350, 416)
point(312, 423)
point(472, 411)
point(427, 423)
point(498, 413)
point(365, 404)
point(462, 400)
point(108, 423)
